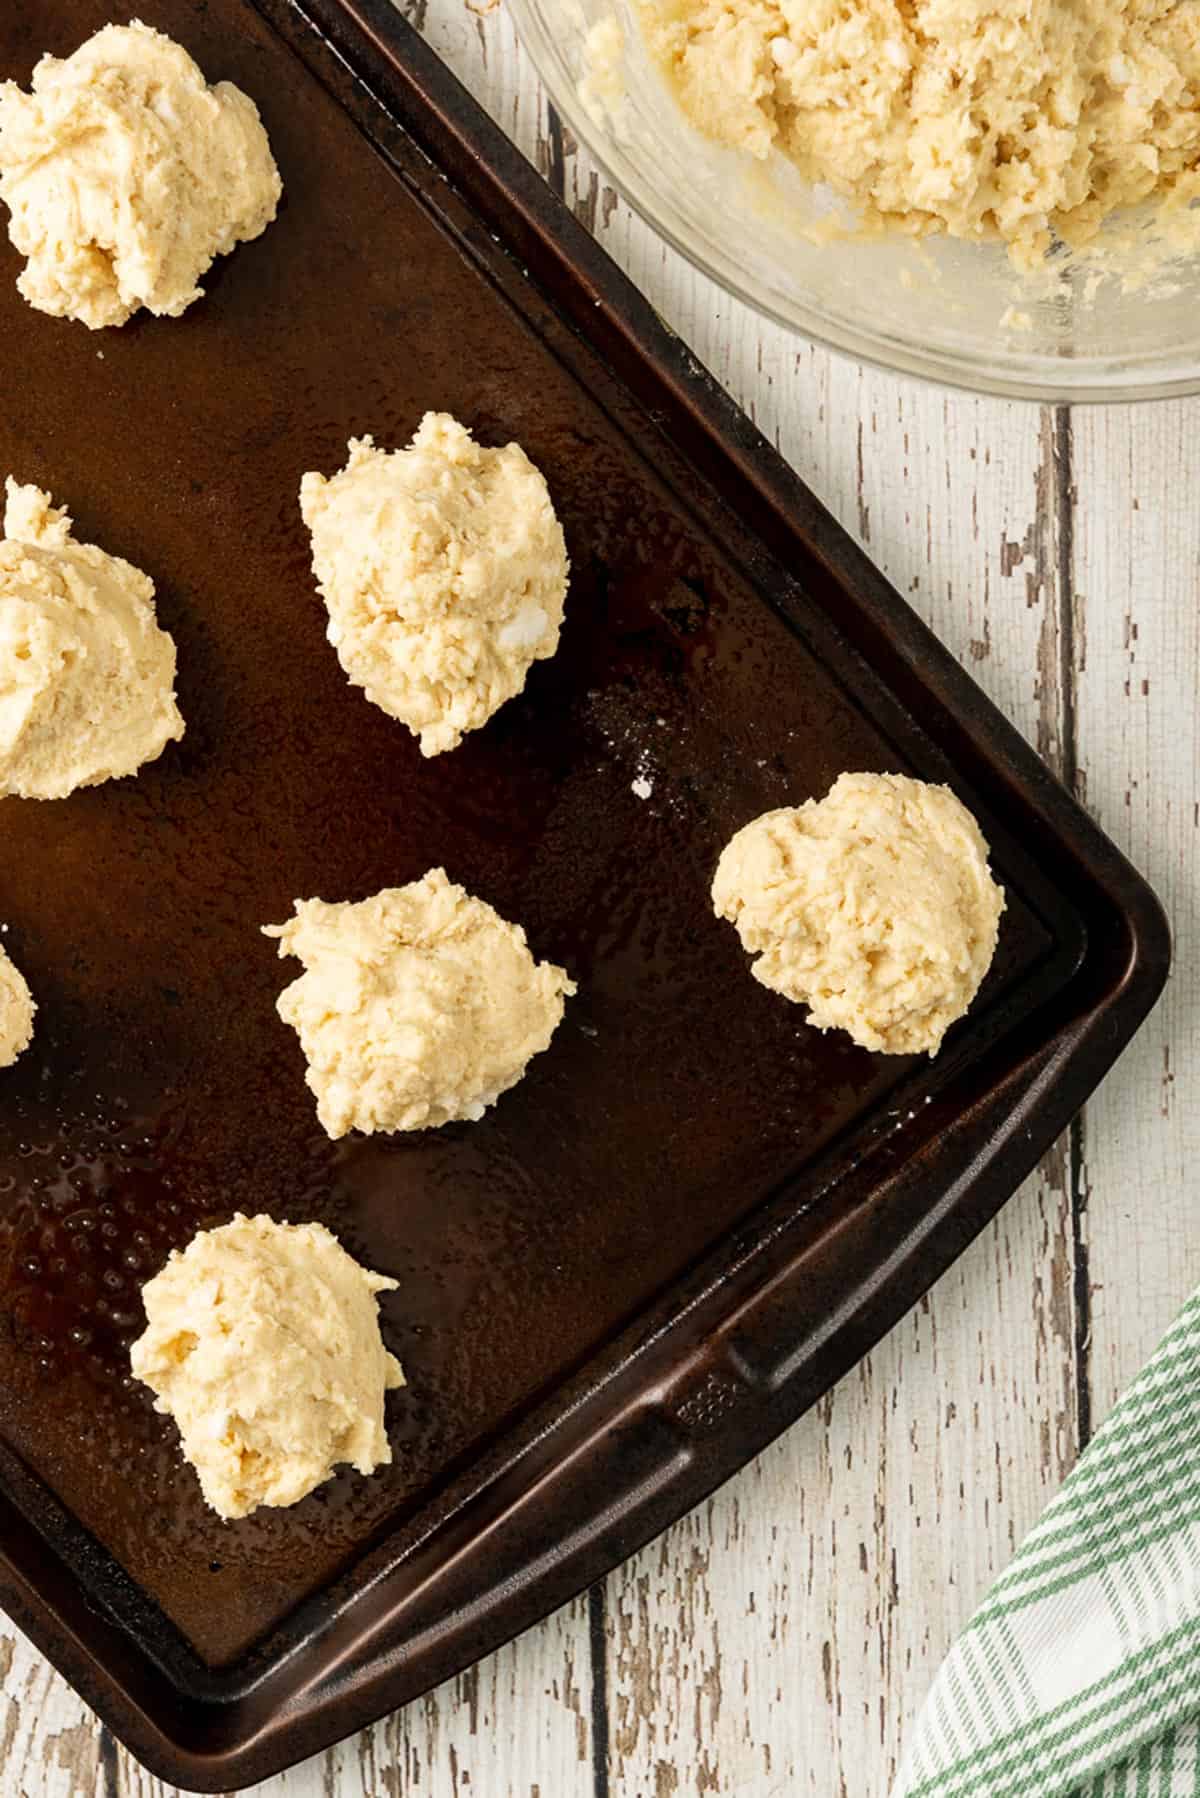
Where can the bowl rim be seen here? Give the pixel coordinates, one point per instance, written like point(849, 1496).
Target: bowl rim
point(1031, 382)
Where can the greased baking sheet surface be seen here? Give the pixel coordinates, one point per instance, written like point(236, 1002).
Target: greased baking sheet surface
point(162, 1093)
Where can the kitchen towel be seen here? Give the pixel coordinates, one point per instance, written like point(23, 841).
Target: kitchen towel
point(1079, 1677)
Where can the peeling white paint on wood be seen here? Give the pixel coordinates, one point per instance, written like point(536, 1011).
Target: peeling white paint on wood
point(516, 1726)
point(779, 1639)
point(1137, 562)
point(49, 1740)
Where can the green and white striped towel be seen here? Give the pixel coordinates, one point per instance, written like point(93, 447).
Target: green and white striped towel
point(1080, 1675)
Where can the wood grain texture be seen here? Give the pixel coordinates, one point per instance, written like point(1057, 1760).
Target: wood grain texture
point(518, 1723)
point(1137, 577)
point(779, 1639)
point(50, 1743)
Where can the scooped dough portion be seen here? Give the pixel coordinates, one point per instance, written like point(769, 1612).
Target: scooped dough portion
point(86, 676)
point(1010, 119)
point(262, 1342)
point(444, 570)
point(416, 1007)
point(16, 1012)
point(126, 174)
point(874, 906)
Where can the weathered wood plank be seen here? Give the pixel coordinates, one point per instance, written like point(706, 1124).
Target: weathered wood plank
point(516, 1726)
point(50, 1743)
point(1137, 560)
point(779, 1640)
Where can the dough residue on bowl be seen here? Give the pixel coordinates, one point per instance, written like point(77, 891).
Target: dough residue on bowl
point(262, 1342)
point(16, 1011)
point(126, 175)
point(874, 906)
point(86, 675)
point(444, 570)
point(418, 1006)
point(1022, 120)
point(602, 87)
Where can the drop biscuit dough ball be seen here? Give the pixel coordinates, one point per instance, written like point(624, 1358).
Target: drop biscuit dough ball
point(444, 571)
point(86, 676)
point(874, 907)
point(126, 174)
point(16, 1012)
point(262, 1342)
point(418, 1006)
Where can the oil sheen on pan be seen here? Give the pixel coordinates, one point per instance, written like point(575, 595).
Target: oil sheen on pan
point(162, 1093)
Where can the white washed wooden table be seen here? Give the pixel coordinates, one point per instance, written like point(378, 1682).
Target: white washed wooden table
point(779, 1640)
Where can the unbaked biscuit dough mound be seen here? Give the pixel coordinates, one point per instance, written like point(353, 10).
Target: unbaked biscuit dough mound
point(262, 1342)
point(1015, 119)
point(444, 570)
point(16, 1012)
point(86, 675)
point(874, 907)
point(126, 174)
point(416, 1007)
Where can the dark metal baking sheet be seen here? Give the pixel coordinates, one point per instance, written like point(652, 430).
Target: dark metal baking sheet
point(695, 1211)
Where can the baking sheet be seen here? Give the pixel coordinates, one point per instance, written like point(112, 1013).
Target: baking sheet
point(678, 1101)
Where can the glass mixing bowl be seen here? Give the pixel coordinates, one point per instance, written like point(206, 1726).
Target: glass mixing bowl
point(948, 310)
